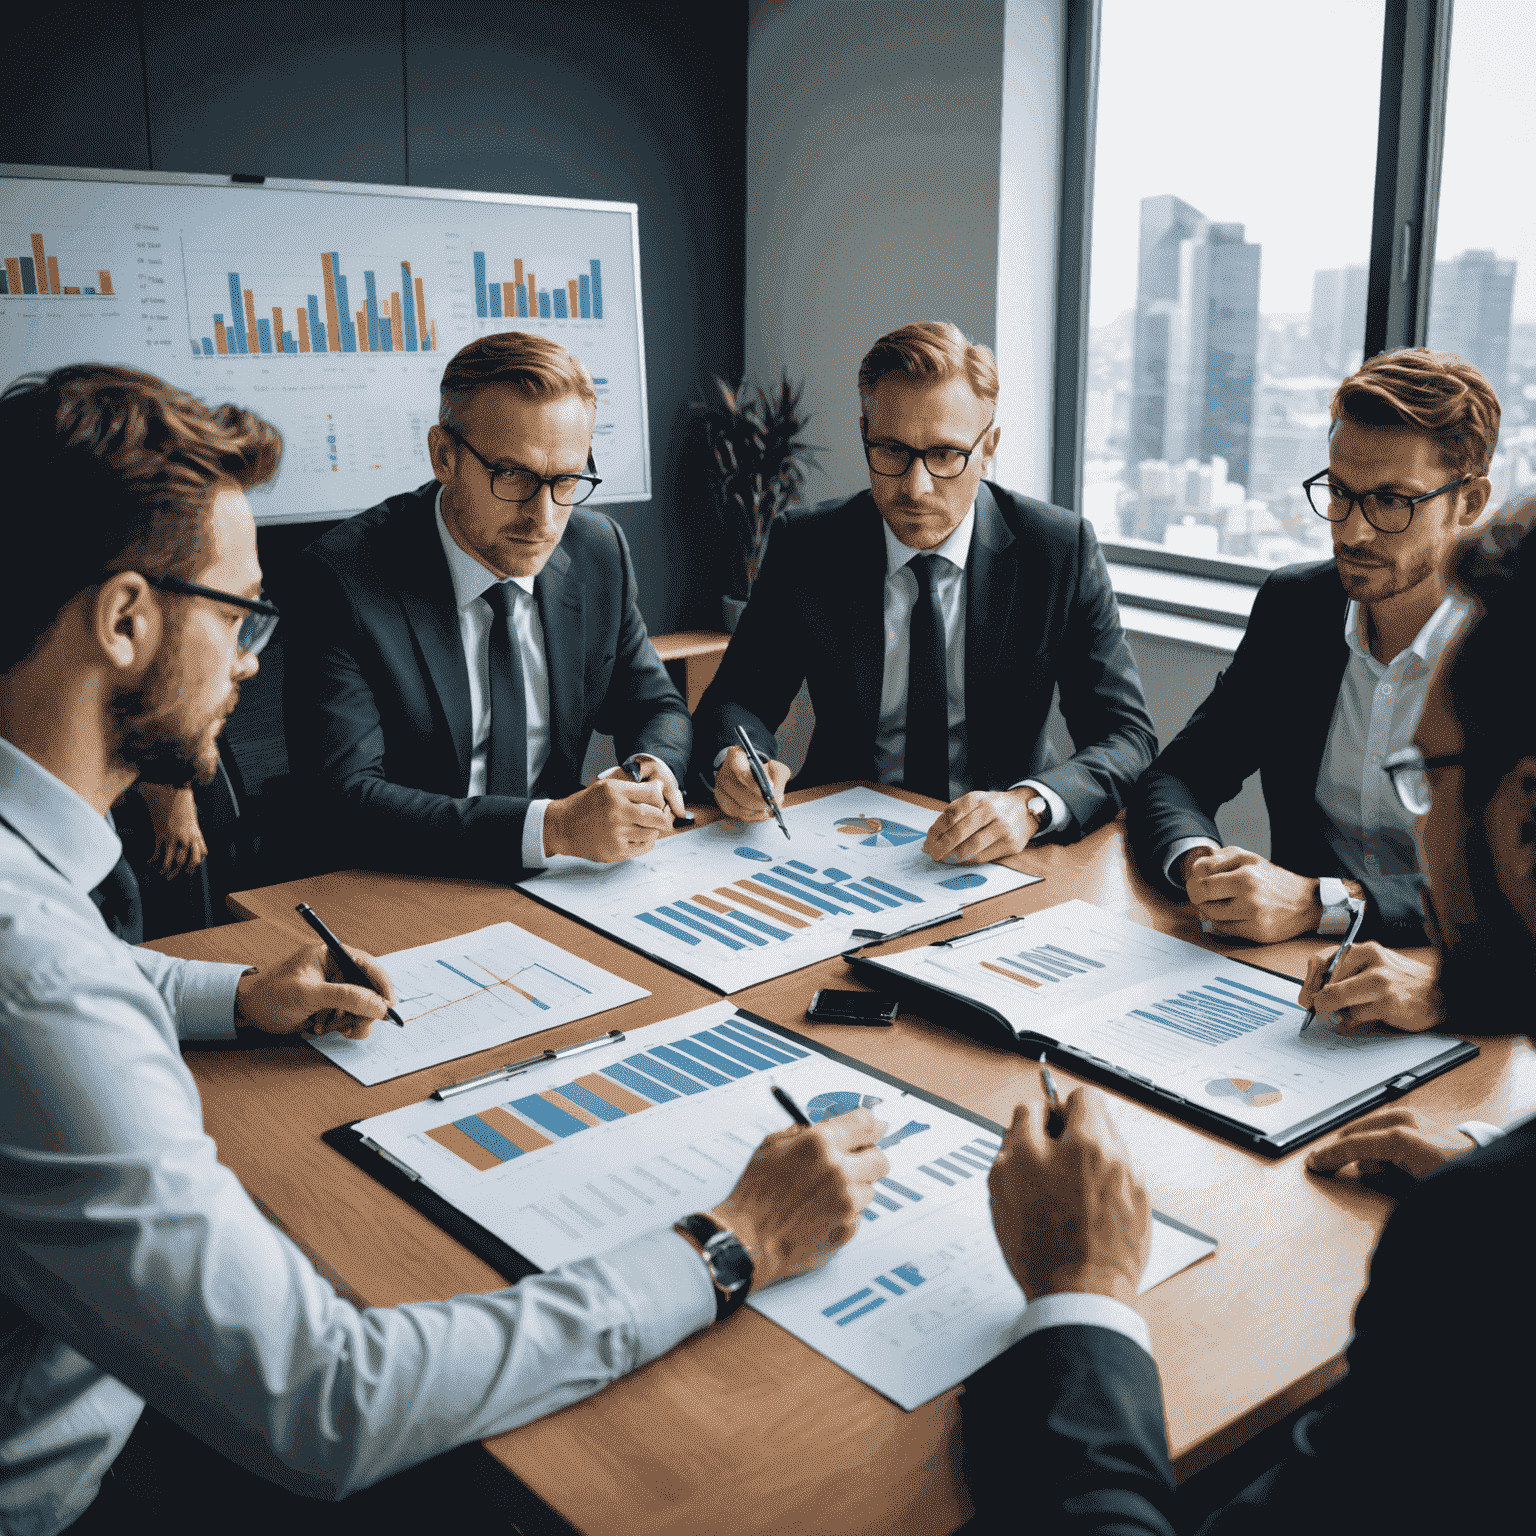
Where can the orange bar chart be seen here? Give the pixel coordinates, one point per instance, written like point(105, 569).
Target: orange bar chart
point(37, 276)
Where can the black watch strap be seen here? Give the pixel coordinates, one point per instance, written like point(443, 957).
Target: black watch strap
point(728, 1259)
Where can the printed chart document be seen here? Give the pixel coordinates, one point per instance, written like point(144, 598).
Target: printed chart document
point(735, 904)
point(560, 1167)
point(459, 996)
point(1203, 1029)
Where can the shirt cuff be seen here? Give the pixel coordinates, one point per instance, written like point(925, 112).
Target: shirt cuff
point(534, 856)
point(1060, 815)
point(1182, 847)
point(671, 1294)
point(1065, 1309)
point(1481, 1132)
point(206, 1000)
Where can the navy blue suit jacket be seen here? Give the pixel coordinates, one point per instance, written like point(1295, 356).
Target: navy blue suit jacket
point(376, 688)
point(1039, 612)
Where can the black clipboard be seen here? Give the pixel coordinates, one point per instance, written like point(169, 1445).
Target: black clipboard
point(969, 1017)
point(512, 1265)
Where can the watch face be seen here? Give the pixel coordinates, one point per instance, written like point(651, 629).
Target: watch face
point(731, 1263)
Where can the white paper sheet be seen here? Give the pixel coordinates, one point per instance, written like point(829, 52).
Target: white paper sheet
point(515, 1158)
point(735, 904)
point(467, 994)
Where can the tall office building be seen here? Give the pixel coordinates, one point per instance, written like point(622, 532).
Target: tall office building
point(1469, 312)
point(1338, 319)
point(1166, 222)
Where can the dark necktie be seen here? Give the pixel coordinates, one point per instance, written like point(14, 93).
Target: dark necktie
point(117, 899)
point(506, 761)
point(927, 746)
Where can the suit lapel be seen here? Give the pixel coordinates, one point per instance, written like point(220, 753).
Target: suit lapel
point(425, 590)
point(558, 595)
point(991, 584)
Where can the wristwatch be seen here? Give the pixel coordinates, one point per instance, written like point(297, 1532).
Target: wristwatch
point(1338, 909)
point(1040, 808)
point(725, 1255)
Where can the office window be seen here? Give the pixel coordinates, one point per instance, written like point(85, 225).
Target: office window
point(1482, 302)
point(1231, 223)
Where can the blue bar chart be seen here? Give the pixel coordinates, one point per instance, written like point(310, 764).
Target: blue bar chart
point(516, 295)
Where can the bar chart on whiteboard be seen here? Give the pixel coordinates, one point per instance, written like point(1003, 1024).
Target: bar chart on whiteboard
point(330, 310)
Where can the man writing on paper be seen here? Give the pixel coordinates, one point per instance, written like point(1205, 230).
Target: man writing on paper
point(456, 647)
point(933, 617)
point(1429, 1431)
point(1327, 683)
point(134, 1268)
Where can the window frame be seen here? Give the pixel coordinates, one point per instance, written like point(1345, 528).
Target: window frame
point(1415, 68)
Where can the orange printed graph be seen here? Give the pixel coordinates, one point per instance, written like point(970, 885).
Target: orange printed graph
point(38, 275)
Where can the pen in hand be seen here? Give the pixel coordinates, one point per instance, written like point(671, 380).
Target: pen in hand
point(1333, 965)
point(1055, 1121)
point(637, 773)
point(789, 1106)
point(765, 789)
point(350, 970)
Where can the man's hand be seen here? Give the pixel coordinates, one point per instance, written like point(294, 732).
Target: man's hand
point(798, 1201)
point(610, 820)
point(1246, 897)
point(653, 770)
point(179, 845)
point(1070, 1214)
point(736, 791)
point(983, 826)
point(1375, 985)
point(1396, 1138)
point(306, 992)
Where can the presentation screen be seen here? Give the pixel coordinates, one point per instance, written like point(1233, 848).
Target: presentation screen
point(327, 307)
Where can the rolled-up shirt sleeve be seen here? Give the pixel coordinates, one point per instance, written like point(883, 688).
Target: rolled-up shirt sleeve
point(124, 1238)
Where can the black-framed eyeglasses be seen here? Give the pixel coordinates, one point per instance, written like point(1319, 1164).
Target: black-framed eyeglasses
point(522, 485)
point(893, 460)
point(255, 628)
point(1409, 771)
point(1386, 511)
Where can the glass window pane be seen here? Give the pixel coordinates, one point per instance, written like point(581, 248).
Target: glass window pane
point(1233, 181)
point(1483, 300)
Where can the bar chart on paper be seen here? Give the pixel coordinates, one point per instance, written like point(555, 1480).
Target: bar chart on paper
point(458, 996)
point(735, 904)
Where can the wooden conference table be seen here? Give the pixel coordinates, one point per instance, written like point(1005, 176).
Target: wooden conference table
point(744, 1423)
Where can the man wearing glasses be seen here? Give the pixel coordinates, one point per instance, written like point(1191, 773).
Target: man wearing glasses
point(933, 616)
point(455, 648)
point(1327, 686)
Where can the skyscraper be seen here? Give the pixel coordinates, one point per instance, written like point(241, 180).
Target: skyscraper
point(1469, 312)
point(1197, 331)
point(1338, 318)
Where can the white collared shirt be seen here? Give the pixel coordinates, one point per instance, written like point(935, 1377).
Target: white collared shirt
point(470, 581)
point(949, 582)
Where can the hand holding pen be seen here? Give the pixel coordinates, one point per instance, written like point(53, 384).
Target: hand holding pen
point(351, 971)
point(759, 767)
point(310, 992)
point(1356, 919)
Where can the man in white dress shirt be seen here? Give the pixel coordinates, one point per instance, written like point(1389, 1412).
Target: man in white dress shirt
point(933, 616)
point(134, 1268)
point(1326, 686)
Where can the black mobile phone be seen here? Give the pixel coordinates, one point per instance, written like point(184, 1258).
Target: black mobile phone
point(829, 1006)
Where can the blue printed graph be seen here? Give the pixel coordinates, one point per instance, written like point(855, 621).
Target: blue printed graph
point(828, 1106)
point(973, 1160)
point(1221, 1010)
point(896, 1281)
point(911, 1128)
point(877, 832)
point(963, 882)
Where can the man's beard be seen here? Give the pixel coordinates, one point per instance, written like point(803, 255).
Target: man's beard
point(1398, 578)
point(154, 737)
point(1486, 968)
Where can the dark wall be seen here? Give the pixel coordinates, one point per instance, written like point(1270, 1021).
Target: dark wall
point(633, 102)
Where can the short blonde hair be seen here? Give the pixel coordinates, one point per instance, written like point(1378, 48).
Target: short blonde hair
point(1437, 393)
point(531, 365)
point(933, 351)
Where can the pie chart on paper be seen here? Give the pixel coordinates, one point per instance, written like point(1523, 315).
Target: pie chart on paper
point(1253, 1094)
point(876, 832)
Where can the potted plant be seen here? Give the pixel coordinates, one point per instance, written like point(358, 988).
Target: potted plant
point(757, 467)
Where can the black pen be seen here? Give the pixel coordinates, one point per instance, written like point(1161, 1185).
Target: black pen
point(764, 787)
point(633, 769)
point(792, 1109)
point(1333, 965)
point(350, 970)
point(1055, 1121)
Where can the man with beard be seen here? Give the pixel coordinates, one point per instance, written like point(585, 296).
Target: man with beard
point(1326, 685)
point(1427, 1433)
point(134, 1268)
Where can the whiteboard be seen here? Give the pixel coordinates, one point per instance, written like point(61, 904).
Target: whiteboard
point(329, 308)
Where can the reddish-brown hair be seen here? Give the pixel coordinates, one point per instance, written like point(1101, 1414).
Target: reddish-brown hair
point(110, 469)
point(531, 365)
point(1437, 393)
point(932, 351)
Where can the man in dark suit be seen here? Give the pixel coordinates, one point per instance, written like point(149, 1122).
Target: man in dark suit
point(456, 647)
point(933, 616)
point(1427, 1433)
point(1327, 683)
